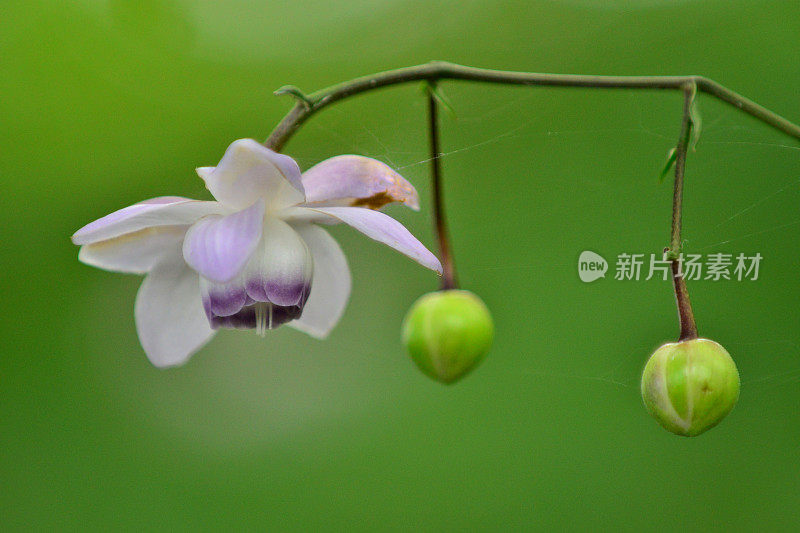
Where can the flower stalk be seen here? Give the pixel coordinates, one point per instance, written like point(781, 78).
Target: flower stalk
point(440, 222)
point(685, 314)
point(686, 319)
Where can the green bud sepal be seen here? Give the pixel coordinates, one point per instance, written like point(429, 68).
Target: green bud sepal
point(448, 333)
point(690, 386)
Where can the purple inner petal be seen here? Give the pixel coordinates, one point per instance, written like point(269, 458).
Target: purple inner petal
point(233, 306)
point(227, 300)
point(289, 293)
point(246, 317)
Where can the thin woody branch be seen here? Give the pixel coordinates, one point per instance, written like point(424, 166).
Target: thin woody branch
point(685, 314)
point(440, 70)
point(440, 222)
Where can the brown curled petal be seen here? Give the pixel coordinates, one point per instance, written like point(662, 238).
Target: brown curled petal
point(356, 181)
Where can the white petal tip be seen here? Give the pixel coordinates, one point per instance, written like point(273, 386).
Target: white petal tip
point(204, 172)
point(166, 365)
point(316, 333)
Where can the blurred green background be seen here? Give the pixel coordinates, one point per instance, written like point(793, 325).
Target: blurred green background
point(105, 103)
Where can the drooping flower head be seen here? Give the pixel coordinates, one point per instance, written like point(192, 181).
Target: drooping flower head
point(255, 258)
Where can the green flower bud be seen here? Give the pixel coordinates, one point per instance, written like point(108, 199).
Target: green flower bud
point(447, 333)
point(690, 386)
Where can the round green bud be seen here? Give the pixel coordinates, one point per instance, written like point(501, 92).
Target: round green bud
point(690, 386)
point(447, 333)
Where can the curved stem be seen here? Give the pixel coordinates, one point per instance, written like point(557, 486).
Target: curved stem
point(308, 105)
point(680, 170)
point(685, 314)
point(440, 222)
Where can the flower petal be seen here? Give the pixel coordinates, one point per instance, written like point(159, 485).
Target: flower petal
point(249, 171)
point(331, 287)
point(247, 318)
point(244, 319)
point(280, 271)
point(352, 180)
point(222, 299)
point(170, 319)
point(134, 253)
point(375, 225)
point(219, 247)
point(163, 211)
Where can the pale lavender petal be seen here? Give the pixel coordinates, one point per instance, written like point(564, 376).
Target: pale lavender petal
point(331, 287)
point(170, 319)
point(163, 211)
point(281, 268)
point(223, 299)
point(249, 171)
point(159, 200)
point(305, 215)
point(219, 247)
point(385, 229)
point(356, 181)
point(134, 253)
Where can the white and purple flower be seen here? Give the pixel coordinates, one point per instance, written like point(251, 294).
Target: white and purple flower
point(254, 259)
